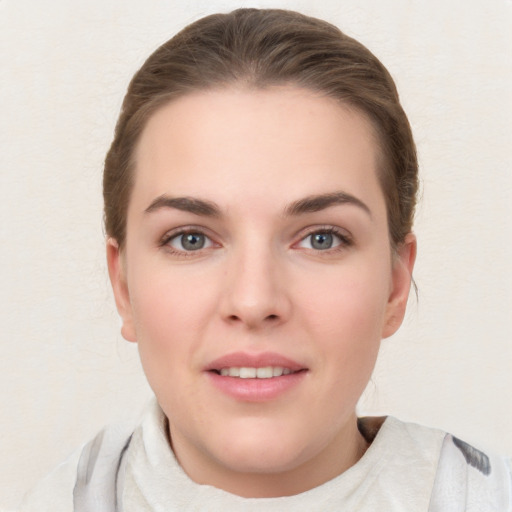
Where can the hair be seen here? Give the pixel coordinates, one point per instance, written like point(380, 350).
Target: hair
point(260, 49)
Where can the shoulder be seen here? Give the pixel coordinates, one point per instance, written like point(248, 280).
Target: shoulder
point(454, 474)
point(55, 491)
point(94, 464)
point(480, 479)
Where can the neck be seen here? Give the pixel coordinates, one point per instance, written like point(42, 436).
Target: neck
point(335, 458)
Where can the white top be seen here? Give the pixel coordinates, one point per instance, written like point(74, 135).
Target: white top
point(406, 468)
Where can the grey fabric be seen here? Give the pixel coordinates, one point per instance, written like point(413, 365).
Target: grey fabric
point(98, 469)
point(468, 480)
point(474, 457)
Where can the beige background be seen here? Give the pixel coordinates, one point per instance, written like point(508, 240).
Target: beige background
point(65, 371)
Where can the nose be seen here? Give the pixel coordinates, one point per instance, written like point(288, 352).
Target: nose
point(255, 292)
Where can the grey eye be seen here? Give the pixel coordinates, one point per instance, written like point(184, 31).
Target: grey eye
point(321, 241)
point(192, 241)
point(189, 242)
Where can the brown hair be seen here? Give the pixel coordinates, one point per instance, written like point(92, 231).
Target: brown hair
point(261, 48)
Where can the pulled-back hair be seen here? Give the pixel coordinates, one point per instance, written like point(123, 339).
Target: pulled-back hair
point(258, 49)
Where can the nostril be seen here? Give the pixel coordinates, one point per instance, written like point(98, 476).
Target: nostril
point(253, 319)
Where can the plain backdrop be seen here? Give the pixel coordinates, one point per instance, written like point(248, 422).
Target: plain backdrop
point(65, 370)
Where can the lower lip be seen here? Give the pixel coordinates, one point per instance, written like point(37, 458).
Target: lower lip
point(256, 390)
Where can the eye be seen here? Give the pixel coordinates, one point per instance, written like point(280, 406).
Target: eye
point(189, 241)
point(324, 239)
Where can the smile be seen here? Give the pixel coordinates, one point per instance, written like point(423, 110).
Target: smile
point(244, 372)
point(250, 377)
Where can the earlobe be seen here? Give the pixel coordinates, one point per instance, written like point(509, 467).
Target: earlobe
point(401, 284)
point(117, 276)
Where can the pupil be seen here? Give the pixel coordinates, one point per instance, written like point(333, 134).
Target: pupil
point(192, 241)
point(322, 241)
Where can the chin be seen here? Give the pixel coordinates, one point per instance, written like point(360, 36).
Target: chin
point(257, 451)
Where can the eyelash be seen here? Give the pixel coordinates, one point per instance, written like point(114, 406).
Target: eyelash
point(345, 240)
point(180, 232)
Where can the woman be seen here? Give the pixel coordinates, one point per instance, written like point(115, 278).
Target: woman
point(259, 196)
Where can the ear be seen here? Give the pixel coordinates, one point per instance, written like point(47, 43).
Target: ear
point(403, 264)
point(117, 274)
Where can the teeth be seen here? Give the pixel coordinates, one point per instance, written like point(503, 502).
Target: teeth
point(247, 373)
point(277, 371)
point(265, 372)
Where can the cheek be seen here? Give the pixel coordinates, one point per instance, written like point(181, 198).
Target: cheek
point(169, 301)
point(351, 300)
point(166, 339)
point(345, 315)
point(170, 311)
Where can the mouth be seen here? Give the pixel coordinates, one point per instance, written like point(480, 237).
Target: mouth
point(260, 377)
point(247, 372)
point(265, 365)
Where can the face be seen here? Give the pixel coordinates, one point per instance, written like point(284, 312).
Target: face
point(258, 281)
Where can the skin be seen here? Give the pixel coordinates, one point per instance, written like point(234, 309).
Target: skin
point(259, 284)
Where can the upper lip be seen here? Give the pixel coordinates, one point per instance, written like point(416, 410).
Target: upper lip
point(247, 360)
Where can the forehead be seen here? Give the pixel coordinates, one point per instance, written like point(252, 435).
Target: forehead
point(282, 142)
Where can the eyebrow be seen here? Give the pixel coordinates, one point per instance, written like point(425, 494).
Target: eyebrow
point(316, 203)
point(186, 204)
point(309, 204)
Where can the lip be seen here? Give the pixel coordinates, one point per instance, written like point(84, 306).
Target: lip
point(260, 360)
point(255, 390)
